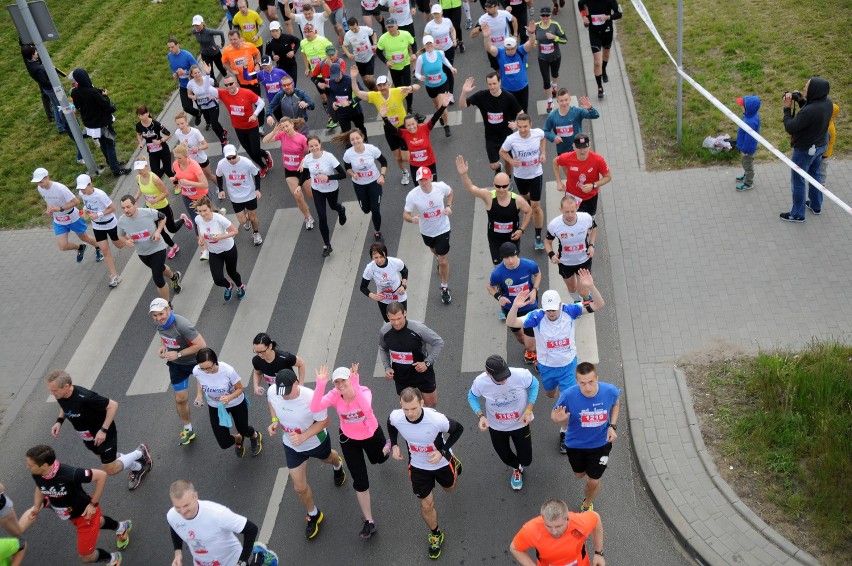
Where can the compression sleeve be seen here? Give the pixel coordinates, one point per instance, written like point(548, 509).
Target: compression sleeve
point(339, 173)
point(455, 431)
point(403, 273)
point(473, 401)
point(382, 161)
point(249, 533)
point(393, 433)
point(532, 391)
point(177, 542)
point(365, 287)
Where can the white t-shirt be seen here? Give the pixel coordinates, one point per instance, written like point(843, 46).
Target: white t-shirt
point(193, 141)
point(572, 239)
point(440, 33)
point(215, 385)
point(239, 178)
point(421, 436)
point(399, 10)
point(360, 44)
point(96, 202)
point(504, 404)
point(364, 166)
point(318, 22)
point(387, 279)
point(60, 195)
point(218, 225)
point(295, 416)
point(433, 221)
point(205, 93)
point(325, 164)
point(501, 26)
point(527, 151)
point(211, 534)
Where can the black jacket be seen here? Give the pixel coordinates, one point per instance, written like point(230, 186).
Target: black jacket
point(39, 75)
point(810, 126)
point(93, 106)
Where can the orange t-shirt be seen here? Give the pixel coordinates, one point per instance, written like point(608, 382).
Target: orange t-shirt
point(569, 549)
point(239, 59)
point(192, 173)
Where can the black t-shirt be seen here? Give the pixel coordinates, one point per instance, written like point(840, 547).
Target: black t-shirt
point(156, 131)
point(64, 491)
point(281, 47)
point(86, 410)
point(282, 360)
point(496, 111)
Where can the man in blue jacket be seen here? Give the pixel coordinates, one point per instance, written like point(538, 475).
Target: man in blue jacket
point(180, 61)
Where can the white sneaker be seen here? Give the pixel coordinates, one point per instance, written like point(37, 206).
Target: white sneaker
point(205, 255)
point(257, 239)
point(406, 178)
point(223, 211)
point(114, 280)
point(247, 225)
point(309, 223)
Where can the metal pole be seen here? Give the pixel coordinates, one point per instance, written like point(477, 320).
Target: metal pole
point(64, 104)
point(679, 77)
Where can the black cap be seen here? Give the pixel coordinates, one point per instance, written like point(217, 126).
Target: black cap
point(497, 368)
point(508, 249)
point(545, 11)
point(284, 381)
point(581, 140)
point(267, 60)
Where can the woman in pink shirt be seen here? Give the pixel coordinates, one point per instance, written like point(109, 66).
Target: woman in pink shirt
point(294, 146)
point(360, 432)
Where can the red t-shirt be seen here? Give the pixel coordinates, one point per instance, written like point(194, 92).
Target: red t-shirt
point(192, 173)
point(240, 106)
point(323, 69)
point(419, 145)
point(580, 173)
point(558, 551)
point(334, 4)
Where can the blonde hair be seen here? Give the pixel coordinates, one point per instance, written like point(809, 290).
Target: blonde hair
point(180, 150)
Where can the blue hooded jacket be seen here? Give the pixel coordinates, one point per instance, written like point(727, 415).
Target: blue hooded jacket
point(745, 143)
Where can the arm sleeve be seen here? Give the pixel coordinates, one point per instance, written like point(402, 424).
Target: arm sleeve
point(532, 391)
point(365, 287)
point(257, 181)
point(418, 69)
point(177, 542)
point(455, 431)
point(403, 273)
point(616, 10)
point(258, 106)
point(383, 161)
point(473, 401)
point(220, 182)
point(393, 433)
point(436, 116)
point(339, 173)
point(249, 533)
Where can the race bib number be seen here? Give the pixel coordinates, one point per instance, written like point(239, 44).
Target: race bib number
point(315, 61)
point(390, 296)
point(598, 19)
point(514, 290)
point(318, 183)
point(558, 343)
point(432, 213)
point(272, 88)
point(495, 39)
point(418, 155)
point(86, 435)
point(402, 357)
point(397, 57)
point(495, 117)
point(441, 41)
point(364, 175)
point(249, 27)
point(62, 218)
point(292, 160)
point(434, 78)
point(574, 248)
point(288, 430)
point(503, 227)
point(363, 48)
point(565, 130)
point(512, 68)
point(154, 147)
point(394, 120)
point(170, 343)
point(240, 61)
point(593, 419)
point(237, 110)
point(532, 163)
point(341, 100)
point(140, 236)
point(547, 48)
point(421, 449)
point(63, 513)
point(369, 4)
point(506, 417)
point(189, 191)
point(151, 198)
point(353, 417)
point(269, 379)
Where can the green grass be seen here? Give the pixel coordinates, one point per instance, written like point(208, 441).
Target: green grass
point(733, 48)
point(123, 47)
point(790, 415)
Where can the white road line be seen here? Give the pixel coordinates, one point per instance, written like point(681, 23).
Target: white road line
point(484, 333)
point(274, 505)
point(340, 271)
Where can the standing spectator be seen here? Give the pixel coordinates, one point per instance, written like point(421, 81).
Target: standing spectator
point(181, 61)
point(282, 48)
point(36, 70)
point(210, 52)
point(747, 144)
point(243, 59)
point(154, 137)
point(249, 24)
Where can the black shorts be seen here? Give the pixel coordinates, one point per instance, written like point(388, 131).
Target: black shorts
point(566, 271)
point(205, 164)
point(107, 450)
point(178, 373)
point(101, 235)
point(295, 173)
point(426, 383)
point(531, 187)
point(295, 459)
point(527, 331)
point(589, 206)
point(374, 12)
point(549, 69)
point(492, 148)
point(261, 6)
point(423, 6)
point(434, 91)
point(423, 481)
point(368, 68)
point(494, 244)
point(592, 461)
point(600, 39)
point(395, 142)
point(247, 205)
point(440, 243)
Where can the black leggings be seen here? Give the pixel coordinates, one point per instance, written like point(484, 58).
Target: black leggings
point(171, 225)
point(320, 200)
point(346, 121)
point(549, 69)
point(223, 435)
point(522, 438)
point(455, 16)
point(250, 141)
point(400, 78)
point(370, 199)
point(161, 161)
point(211, 116)
point(522, 96)
point(156, 262)
point(217, 60)
point(353, 454)
point(226, 260)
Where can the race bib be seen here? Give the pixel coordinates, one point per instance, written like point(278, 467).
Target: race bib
point(369, 4)
point(61, 219)
point(353, 417)
point(272, 88)
point(362, 48)
point(503, 227)
point(364, 175)
point(442, 40)
point(421, 449)
point(189, 191)
point(434, 78)
point(432, 214)
point(317, 183)
point(394, 120)
point(418, 155)
point(593, 419)
point(516, 289)
point(495, 39)
point(341, 100)
point(238, 110)
point(292, 160)
point(529, 163)
point(86, 435)
point(558, 343)
point(397, 57)
point(575, 248)
point(390, 296)
point(506, 417)
point(269, 379)
point(287, 429)
point(150, 198)
point(240, 62)
point(598, 19)
point(154, 147)
point(402, 357)
point(547, 48)
point(495, 117)
point(63, 513)
point(315, 61)
point(249, 27)
point(565, 130)
point(140, 236)
point(512, 68)
point(169, 342)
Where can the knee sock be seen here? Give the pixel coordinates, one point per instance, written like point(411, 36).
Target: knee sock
point(598, 80)
point(110, 524)
point(603, 66)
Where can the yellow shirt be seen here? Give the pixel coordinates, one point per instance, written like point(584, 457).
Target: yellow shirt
point(249, 26)
point(395, 102)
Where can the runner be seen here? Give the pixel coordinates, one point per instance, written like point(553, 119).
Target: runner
point(240, 178)
point(60, 487)
point(586, 172)
point(512, 61)
point(576, 233)
point(598, 16)
point(344, 107)
point(244, 107)
point(304, 436)
point(502, 25)
point(270, 78)
point(250, 25)
point(409, 349)
point(268, 360)
point(417, 138)
point(508, 279)
point(526, 151)
point(62, 205)
point(590, 411)
point(195, 144)
point(546, 535)
point(430, 458)
point(202, 90)
point(290, 102)
point(93, 417)
point(221, 386)
point(360, 433)
point(446, 32)
point(242, 59)
point(498, 109)
point(211, 53)
point(402, 13)
point(359, 45)
point(12, 551)
point(208, 529)
point(324, 171)
point(320, 76)
point(367, 167)
point(190, 179)
point(141, 229)
point(216, 234)
point(429, 68)
point(395, 50)
point(153, 137)
point(8, 518)
point(309, 17)
point(509, 395)
point(433, 202)
point(390, 276)
point(181, 342)
point(100, 209)
point(157, 198)
point(548, 36)
point(369, 9)
point(566, 120)
point(294, 146)
point(282, 48)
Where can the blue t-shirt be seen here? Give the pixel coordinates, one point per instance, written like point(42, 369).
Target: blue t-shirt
point(433, 71)
point(271, 81)
point(513, 70)
point(588, 420)
point(513, 281)
point(183, 60)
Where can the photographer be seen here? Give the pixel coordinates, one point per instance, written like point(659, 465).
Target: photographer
point(809, 138)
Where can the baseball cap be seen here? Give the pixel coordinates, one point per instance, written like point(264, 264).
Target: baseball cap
point(428, 38)
point(229, 150)
point(284, 381)
point(741, 102)
point(508, 249)
point(274, 25)
point(423, 173)
point(39, 174)
point(391, 22)
point(436, 9)
point(334, 71)
point(510, 42)
point(551, 301)
point(581, 140)
point(545, 11)
point(330, 50)
point(382, 79)
point(497, 367)
point(340, 373)
point(139, 165)
point(197, 20)
point(267, 60)
point(158, 305)
point(83, 181)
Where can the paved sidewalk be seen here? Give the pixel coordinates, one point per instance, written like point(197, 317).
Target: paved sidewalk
point(694, 262)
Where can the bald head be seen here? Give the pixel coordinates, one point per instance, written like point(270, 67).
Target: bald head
point(502, 179)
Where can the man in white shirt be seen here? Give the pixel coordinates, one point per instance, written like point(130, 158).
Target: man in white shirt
point(240, 177)
point(62, 206)
point(525, 150)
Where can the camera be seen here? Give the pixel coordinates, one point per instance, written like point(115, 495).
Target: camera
point(796, 95)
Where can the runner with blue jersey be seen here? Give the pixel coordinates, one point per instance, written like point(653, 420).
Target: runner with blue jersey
point(509, 278)
point(512, 63)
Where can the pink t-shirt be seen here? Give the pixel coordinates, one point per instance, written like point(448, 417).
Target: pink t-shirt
point(192, 173)
point(293, 150)
point(357, 420)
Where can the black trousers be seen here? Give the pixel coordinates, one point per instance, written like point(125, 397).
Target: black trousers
point(250, 141)
point(223, 435)
point(222, 261)
point(522, 438)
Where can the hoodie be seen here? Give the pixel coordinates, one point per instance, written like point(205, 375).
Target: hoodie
point(746, 143)
point(810, 126)
point(832, 133)
point(94, 106)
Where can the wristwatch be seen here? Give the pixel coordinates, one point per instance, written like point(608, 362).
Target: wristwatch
point(599, 552)
point(179, 354)
point(428, 363)
point(613, 428)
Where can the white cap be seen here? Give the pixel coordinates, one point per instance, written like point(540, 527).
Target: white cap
point(274, 25)
point(382, 80)
point(158, 305)
point(340, 373)
point(139, 165)
point(39, 174)
point(428, 38)
point(550, 300)
point(229, 150)
point(423, 173)
point(197, 20)
point(83, 181)
point(510, 42)
point(436, 9)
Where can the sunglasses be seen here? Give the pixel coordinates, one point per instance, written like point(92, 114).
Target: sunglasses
point(229, 84)
point(496, 186)
point(231, 157)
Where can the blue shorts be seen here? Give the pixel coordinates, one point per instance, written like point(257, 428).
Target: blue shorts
point(562, 377)
point(78, 227)
point(179, 375)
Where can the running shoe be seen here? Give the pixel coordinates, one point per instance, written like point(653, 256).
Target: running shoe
point(562, 448)
point(309, 223)
point(223, 211)
point(339, 475)
point(186, 436)
point(173, 251)
point(247, 225)
point(312, 528)
point(331, 124)
point(435, 542)
point(341, 214)
point(114, 280)
point(469, 24)
point(530, 357)
point(81, 251)
point(553, 91)
point(326, 251)
point(241, 292)
point(197, 119)
point(605, 77)
point(461, 47)
point(136, 476)
point(260, 129)
point(501, 315)
point(257, 239)
point(267, 158)
point(368, 530)
point(262, 173)
point(116, 556)
point(601, 92)
point(256, 444)
point(228, 293)
point(790, 218)
point(457, 466)
point(406, 178)
point(176, 277)
point(240, 449)
point(517, 480)
point(584, 507)
point(146, 455)
point(549, 106)
point(207, 127)
point(446, 298)
point(122, 535)
point(742, 187)
point(205, 255)
point(378, 236)
point(447, 132)
point(555, 10)
point(186, 221)
point(99, 255)
point(539, 245)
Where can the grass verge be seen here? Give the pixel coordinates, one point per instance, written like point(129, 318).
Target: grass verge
point(760, 47)
point(780, 428)
point(123, 46)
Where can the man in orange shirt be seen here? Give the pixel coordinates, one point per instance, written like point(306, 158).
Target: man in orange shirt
point(559, 537)
point(243, 59)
